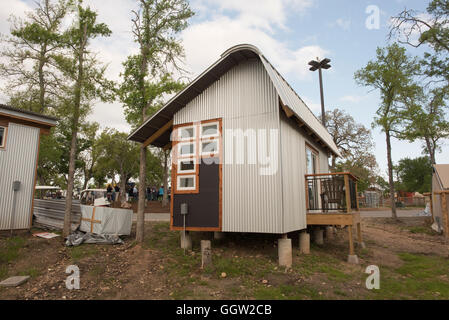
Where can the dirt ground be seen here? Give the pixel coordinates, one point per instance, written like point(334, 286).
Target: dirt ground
point(413, 262)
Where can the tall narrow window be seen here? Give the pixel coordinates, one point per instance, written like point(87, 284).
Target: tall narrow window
point(312, 168)
point(2, 137)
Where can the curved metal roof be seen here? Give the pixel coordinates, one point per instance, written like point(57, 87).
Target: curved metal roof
point(229, 59)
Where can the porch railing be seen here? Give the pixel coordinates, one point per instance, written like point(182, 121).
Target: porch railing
point(331, 192)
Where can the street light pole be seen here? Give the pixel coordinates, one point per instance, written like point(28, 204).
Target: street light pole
point(318, 65)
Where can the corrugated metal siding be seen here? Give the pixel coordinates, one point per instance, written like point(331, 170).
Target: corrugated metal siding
point(292, 100)
point(293, 153)
point(244, 98)
point(18, 162)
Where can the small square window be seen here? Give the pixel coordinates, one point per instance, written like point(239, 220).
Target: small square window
point(2, 137)
point(186, 183)
point(186, 149)
point(209, 130)
point(209, 147)
point(186, 166)
point(186, 133)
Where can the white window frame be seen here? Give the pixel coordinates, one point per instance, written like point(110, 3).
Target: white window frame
point(180, 138)
point(209, 152)
point(189, 154)
point(187, 171)
point(5, 132)
point(179, 177)
point(210, 124)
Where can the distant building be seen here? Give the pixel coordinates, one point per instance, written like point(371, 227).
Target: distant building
point(20, 133)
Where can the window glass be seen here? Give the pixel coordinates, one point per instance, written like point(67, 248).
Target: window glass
point(2, 136)
point(187, 149)
point(209, 130)
point(208, 147)
point(186, 166)
point(186, 133)
point(186, 182)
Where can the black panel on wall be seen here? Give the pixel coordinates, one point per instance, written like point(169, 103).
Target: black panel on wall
point(203, 206)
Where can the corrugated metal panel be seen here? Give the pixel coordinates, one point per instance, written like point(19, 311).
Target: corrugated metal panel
point(292, 100)
point(244, 98)
point(18, 162)
point(293, 153)
point(50, 213)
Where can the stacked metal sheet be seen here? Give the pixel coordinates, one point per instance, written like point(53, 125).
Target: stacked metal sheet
point(50, 213)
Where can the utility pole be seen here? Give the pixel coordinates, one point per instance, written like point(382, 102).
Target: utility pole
point(318, 65)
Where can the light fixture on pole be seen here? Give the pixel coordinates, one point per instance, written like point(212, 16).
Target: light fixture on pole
point(318, 65)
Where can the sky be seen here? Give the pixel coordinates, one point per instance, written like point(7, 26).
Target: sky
point(288, 32)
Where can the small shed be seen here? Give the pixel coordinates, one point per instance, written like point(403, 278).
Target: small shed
point(20, 133)
point(440, 192)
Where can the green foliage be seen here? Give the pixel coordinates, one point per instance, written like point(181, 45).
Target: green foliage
point(147, 76)
point(415, 175)
point(117, 155)
point(392, 74)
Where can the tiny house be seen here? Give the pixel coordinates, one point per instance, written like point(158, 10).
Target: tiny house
point(20, 133)
point(242, 142)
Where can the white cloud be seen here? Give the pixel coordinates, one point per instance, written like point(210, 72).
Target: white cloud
point(206, 40)
point(218, 25)
point(343, 23)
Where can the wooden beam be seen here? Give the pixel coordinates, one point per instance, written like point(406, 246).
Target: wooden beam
point(445, 213)
point(347, 194)
point(158, 133)
point(167, 146)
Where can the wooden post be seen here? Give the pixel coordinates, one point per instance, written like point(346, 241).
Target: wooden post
point(351, 241)
point(445, 213)
point(206, 253)
point(348, 194)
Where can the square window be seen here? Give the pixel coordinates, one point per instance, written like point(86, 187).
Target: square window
point(186, 149)
point(2, 136)
point(209, 130)
point(186, 133)
point(209, 147)
point(186, 166)
point(186, 183)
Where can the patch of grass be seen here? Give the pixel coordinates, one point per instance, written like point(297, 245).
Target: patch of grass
point(32, 272)
point(288, 292)
point(422, 230)
point(420, 277)
point(80, 252)
point(9, 251)
point(97, 270)
point(183, 294)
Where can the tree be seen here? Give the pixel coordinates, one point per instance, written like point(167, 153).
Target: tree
point(118, 156)
point(351, 138)
point(89, 156)
point(30, 53)
point(432, 29)
point(83, 70)
point(146, 75)
point(392, 74)
point(415, 175)
point(425, 120)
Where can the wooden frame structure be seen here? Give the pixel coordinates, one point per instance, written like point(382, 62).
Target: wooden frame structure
point(350, 216)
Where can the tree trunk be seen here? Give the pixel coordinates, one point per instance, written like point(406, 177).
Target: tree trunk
point(431, 150)
point(165, 182)
point(390, 176)
point(76, 115)
point(140, 228)
point(122, 193)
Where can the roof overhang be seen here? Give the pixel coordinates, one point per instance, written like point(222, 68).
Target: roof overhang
point(154, 131)
point(27, 117)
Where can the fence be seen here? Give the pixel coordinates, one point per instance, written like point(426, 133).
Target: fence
point(50, 213)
